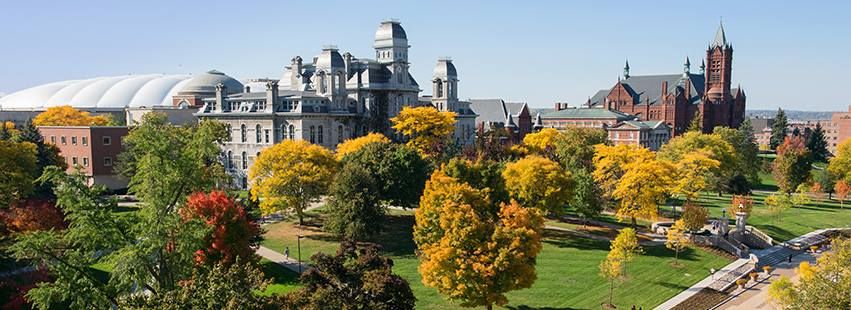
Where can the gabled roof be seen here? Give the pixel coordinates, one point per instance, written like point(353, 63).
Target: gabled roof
point(648, 88)
point(589, 113)
point(641, 124)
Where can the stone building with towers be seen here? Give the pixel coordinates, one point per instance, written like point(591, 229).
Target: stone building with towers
point(676, 99)
point(331, 98)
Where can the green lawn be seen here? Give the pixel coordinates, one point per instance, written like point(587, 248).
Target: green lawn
point(819, 213)
point(567, 268)
point(283, 279)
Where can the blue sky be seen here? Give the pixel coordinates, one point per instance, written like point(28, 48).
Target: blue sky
point(793, 55)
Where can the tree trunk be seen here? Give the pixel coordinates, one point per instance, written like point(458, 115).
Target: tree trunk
point(490, 306)
point(634, 223)
point(300, 213)
point(611, 289)
point(676, 255)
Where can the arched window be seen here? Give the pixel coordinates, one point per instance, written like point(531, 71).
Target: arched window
point(312, 134)
point(339, 133)
point(283, 132)
point(244, 160)
point(438, 88)
point(244, 133)
point(320, 135)
point(257, 130)
point(322, 88)
point(292, 132)
point(230, 132)
point(229, 161)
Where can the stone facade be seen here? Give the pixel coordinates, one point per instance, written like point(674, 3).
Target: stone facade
point(330, 99)
point(648, 134)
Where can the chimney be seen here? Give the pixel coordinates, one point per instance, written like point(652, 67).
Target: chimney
point(347, 58)
point(664, 87)
point(271, 95)
point(220, 98)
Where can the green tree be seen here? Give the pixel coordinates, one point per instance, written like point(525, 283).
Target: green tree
point(817, 144)
point(352, 279)
point(355, 209)
point(46, 155)
point(696, 124)
point(745, 151)
point(792, 165)
point(825, 181)
point(399, 171)
point(222, 286)
point(587, 200)
point(575, 147)
point(17, 168)
point(779, 129)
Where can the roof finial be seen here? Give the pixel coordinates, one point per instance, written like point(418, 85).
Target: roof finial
point(626, 69)
point(720, 36)
point(686, 67)
point(702, 67)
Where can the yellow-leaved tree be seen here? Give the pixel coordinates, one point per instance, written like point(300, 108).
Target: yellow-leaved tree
point(693, 171)
point(354, 145)
point(427, 129)
point(17, 169)
point(69, 116)
point(824, 285)
point(840, 165)
point(610, 162)
point(472, 251)
point(677, 239)
point(643, 186)
point(623, 250)
point(289, 175)
point(538, 182)
point(541, 142)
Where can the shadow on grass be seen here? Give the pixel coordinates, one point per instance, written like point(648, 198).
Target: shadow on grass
point(777, 233)
point(671, 285)
point(687, 254)
point(524, 307)
point(564, 239)
point(397, 237)
point(279, 274)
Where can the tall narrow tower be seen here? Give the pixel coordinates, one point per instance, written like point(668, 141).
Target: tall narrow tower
point(391, 48)
point(445, 85)
point(719, 63)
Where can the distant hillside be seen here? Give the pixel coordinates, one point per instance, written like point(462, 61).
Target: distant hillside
point(790, 114)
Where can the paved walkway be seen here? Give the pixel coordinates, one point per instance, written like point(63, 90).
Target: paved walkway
point(756, 297)
point(281, 259)
point(682, 296)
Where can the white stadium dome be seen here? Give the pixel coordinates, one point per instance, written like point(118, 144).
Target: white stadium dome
point(113, 93)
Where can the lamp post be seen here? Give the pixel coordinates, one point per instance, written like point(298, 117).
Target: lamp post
point(299, 253)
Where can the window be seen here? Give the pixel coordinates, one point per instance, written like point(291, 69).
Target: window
point(230, 132)
point(244, 160)
point(257, 130)
point(107, 140)
point(85, 161)
point(74, 160)
point(53, 140)
point(74, 140)
point(266, 135)
point(339, 133)
point(261, 105)
point(320, 134)
point(292, 132)
point(229, 161)
point(234, 106)
point(244, 133)
point(85, 140)
point(107, 161)
point(62, 139)
point(283, 131)
point(312, 134)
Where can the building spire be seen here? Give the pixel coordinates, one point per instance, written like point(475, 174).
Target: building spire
point(686, 67)
point(702, 67)
point(538, 123)
point(720, 36)
point(626, 69)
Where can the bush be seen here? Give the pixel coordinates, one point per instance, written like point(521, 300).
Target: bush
point(742, 281)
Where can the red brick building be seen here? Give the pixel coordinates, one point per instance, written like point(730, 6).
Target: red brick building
point(92, 149)
point(676, 98)
point(839, 130)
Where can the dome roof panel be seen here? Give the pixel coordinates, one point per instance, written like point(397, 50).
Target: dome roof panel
point(155, 91)
point(207, 81)
point(173, 91)
point(32, 98)
point(89, 96)
point(120, 94)
point(64, 95)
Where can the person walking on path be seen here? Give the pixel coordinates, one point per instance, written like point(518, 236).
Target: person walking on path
point(287, 252)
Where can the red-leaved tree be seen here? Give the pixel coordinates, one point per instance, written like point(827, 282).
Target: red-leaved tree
point(234, 234)
point(32, 215)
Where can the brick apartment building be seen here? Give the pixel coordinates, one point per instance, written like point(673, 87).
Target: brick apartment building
point(92, 149)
